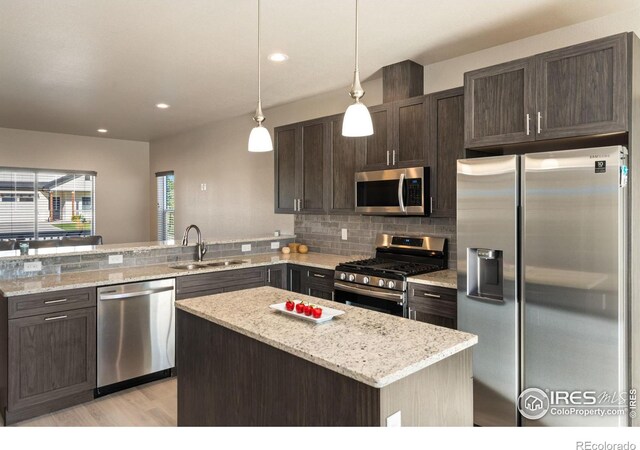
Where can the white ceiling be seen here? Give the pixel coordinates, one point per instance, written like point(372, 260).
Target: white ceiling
point(72, 66)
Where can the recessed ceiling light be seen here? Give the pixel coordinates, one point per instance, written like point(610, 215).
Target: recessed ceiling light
point(162, 105)
point(102, 130)
point(278, 57)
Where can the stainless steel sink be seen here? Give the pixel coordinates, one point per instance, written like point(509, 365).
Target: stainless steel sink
point(188, 266)
point(225, 263)
point(203, 265)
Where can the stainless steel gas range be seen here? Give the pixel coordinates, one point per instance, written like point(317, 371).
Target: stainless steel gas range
point(380, 283)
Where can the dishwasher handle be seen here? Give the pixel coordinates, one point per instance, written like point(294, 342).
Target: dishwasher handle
point(106, 296)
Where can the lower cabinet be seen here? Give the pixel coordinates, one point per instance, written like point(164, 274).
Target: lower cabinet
point(277, 276)
point(217, 282)
point(310, 281)
point(294, 278)
point(50, 357)
point(432, 304)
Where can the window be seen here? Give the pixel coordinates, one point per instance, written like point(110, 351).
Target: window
point(40, 204)
point(165, 205)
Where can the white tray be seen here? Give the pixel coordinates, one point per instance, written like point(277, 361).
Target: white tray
point(327, 313)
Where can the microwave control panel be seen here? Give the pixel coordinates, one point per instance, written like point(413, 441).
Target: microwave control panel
point(414, 192)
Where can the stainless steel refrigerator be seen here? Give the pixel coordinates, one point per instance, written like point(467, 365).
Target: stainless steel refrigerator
point(542, 278)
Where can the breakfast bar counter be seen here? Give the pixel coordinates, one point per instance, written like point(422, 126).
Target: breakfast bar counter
point(240, 363)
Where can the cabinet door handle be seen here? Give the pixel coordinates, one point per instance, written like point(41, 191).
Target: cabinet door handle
point(309, 291)
point(52, 302)
point(319, 275)
point(55, 318)
point(412, 314)
point(539, 122)
point(299, 204)
point(528, 127)
point(394, 158)
point(426, 294)
point(269, 276)
point(387, 157)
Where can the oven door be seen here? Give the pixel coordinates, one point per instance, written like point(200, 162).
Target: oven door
point(393, 192)
point(369, 297)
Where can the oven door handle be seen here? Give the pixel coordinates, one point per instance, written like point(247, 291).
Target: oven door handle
point(371, 292)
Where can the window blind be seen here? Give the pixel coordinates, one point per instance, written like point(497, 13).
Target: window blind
point(39, 204)
point(165, 206)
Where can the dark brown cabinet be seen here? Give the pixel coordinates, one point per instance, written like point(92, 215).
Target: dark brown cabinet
point(294, 278)
point(400, 135)
point(318, 283)
point(50, 357)
point(276, 276)
point(575, 91)
point(345, 158)
point(301, 167)
point(432, 304)
point(499, 104)
point(446, 146)
point(582, 90)
point(217, 282)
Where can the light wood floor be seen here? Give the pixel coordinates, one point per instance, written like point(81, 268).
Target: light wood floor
point(150, 405)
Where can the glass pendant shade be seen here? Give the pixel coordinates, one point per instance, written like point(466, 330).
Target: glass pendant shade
point(357, 121)
point(260, 140)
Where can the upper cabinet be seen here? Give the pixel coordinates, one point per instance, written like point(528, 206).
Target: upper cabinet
point(446, 146)
point(400, 135)
point(345, 158)
point(301, 167)
point(498, 104)
point(575, 91)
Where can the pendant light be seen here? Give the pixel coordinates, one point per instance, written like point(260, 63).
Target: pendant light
point(259, 139)
point(357, 120)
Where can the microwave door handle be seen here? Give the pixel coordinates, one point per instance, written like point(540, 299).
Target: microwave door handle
point(400, 192)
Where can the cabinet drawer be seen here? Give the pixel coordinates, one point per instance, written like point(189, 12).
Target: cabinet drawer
point(315, 276)
point(217, 282)
point(433, 300)
point(49, 302)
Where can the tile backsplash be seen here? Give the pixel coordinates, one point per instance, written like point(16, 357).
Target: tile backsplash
point(322, 233)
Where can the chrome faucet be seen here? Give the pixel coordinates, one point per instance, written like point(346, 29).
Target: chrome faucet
point(201, 249)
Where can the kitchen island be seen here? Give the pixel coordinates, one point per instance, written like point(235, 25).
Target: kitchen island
point(242, 364)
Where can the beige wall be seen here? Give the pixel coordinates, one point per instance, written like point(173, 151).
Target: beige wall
point(448, 74)
point(238, 201)
point(122, 188)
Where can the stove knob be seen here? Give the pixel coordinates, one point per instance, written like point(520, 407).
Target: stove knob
point(352, 277)
point(391, 284)
point(381, 283)
point(365, 280)
point(343, 276)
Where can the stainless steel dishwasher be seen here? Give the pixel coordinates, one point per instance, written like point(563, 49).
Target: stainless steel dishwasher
point(136, 333)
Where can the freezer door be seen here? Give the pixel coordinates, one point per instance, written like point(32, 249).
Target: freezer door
point(574, 320)
point(487, 223)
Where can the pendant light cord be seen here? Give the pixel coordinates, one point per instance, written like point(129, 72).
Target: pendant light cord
point(259, 58)
point(356, 65)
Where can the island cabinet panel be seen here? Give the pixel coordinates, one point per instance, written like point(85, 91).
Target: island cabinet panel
point(446, 146)
point(582, 89)
point(259, 385)
point(432, 304)
point(218, 282)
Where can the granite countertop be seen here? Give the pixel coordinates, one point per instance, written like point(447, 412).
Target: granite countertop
point(126, 247)
point(74, 280)
point(371, 347)
point(442, 278)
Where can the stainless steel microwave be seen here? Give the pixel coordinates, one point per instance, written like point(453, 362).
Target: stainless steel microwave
point(394, 192)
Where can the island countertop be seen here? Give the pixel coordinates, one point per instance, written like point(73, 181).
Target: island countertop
point(371, 347)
